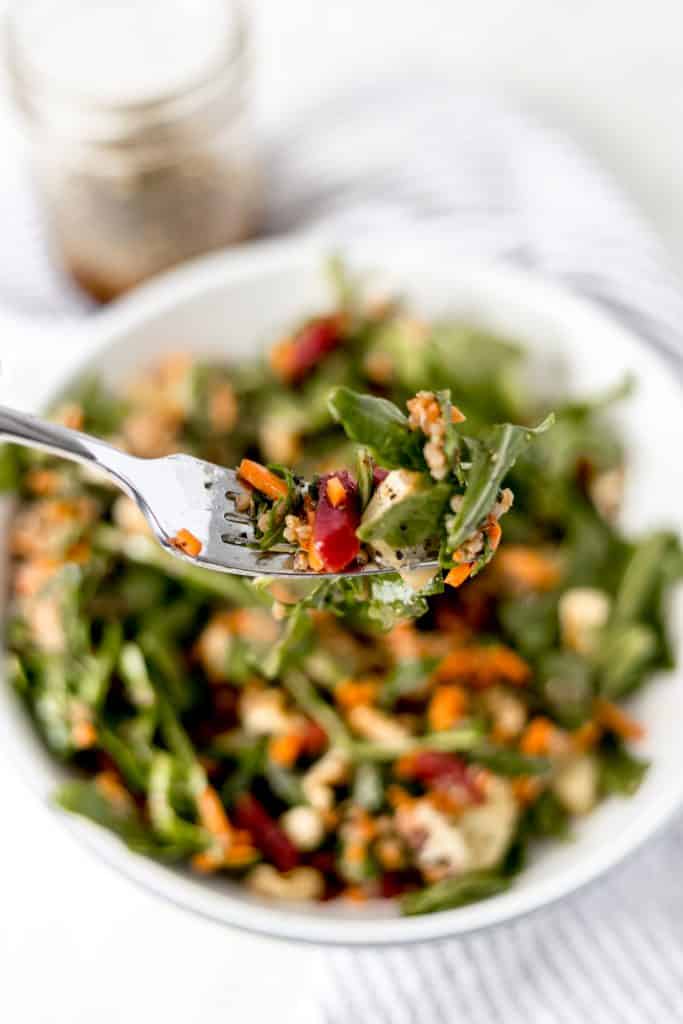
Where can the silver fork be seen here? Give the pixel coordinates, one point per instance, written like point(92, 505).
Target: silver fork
point(175, 493)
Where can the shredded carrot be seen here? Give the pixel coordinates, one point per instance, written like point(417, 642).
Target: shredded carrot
point(262, 479)
point(528, 568)
point(212, 814)
point(355, 853)
point(494, 532)
point(354, 893)
point(389, 853)
point(404, 767)
point(79, 553)
point(456, 415)
point(44, 482)
point(397, 796)
point(207, 861)
point(480, 667)
point(240, 854)
point(617, 720)
point(285, 749)
point(223, 408)
point(83, 734)
point(187, 542)
point(351, 692)
point(586, 736)
point(336, 491)
point(447, 706)
point(537, 737)
point(446, 801)
point(110, 786)
point(458, 574)
point(281, 358)
point(525, 789)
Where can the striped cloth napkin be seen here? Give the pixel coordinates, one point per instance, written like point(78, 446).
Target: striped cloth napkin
point(409, 160)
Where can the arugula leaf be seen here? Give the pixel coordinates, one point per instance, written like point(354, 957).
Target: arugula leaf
point(625, 654)
point(364, 476)
point(492, 454)
point(381, 426)
point(508, 762)
point(406, 678)
point(80, 796)
point(566, 685)
point(620, 772)
point(450, 893)
point(9, 468)
point(655, 561)
point(547, 817)
point(412, 521)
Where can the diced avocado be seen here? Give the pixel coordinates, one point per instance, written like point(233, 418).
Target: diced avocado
point(398, 485)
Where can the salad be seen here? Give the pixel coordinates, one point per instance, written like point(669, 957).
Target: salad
point(371, 736)
point(428, 493)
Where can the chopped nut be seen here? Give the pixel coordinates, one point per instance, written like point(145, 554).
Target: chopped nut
point(301, 883)
point(583, 611)
point(304, 826)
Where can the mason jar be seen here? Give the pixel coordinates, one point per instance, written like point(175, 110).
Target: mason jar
point(138, 129)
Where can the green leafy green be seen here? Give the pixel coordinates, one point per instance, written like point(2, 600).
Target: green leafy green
point(492, 455)
point(450, 893)
point(380, 426)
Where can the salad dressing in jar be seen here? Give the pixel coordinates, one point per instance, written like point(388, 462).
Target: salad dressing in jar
point(139, 137)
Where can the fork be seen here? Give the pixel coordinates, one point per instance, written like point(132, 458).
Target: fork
point(175, 493)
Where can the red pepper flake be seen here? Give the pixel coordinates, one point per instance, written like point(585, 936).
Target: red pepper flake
point(444, 771)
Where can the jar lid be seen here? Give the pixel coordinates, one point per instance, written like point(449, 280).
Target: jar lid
point(105, 70)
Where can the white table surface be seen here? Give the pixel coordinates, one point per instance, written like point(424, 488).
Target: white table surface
point(77, 943)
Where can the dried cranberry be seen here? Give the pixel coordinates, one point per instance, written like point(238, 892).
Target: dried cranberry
point(379, 473)
point(313, 738)
point(442, 771)
point(266, 834)
point(312, 343)
point(334, 529)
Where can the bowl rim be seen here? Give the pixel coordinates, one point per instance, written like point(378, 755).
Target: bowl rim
point(105, 331)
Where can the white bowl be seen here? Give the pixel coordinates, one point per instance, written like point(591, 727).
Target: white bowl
point(233, 304)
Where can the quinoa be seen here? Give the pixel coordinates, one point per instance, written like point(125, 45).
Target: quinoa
point(425, 414)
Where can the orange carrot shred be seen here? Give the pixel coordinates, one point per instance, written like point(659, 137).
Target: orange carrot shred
point(456, 415)
point(336, 492)
point(262, 479)
point(458, 574)
point(446, 706)
point(617, 720)
point(285, 749)
point(537, 736)
point(494, 532)
point(187, 542)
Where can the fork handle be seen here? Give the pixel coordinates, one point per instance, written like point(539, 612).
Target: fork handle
point(32, 432)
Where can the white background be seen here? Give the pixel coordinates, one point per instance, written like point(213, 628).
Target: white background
point(78, 944)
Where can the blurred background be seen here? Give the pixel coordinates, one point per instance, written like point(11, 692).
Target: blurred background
point(78, 942)
point(608, 72)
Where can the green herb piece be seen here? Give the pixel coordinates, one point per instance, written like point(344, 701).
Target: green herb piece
point(406, 678)
point(450, 893)
point(492, 456)
point(380, 426)
point(506, 762)
point(621, 773)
